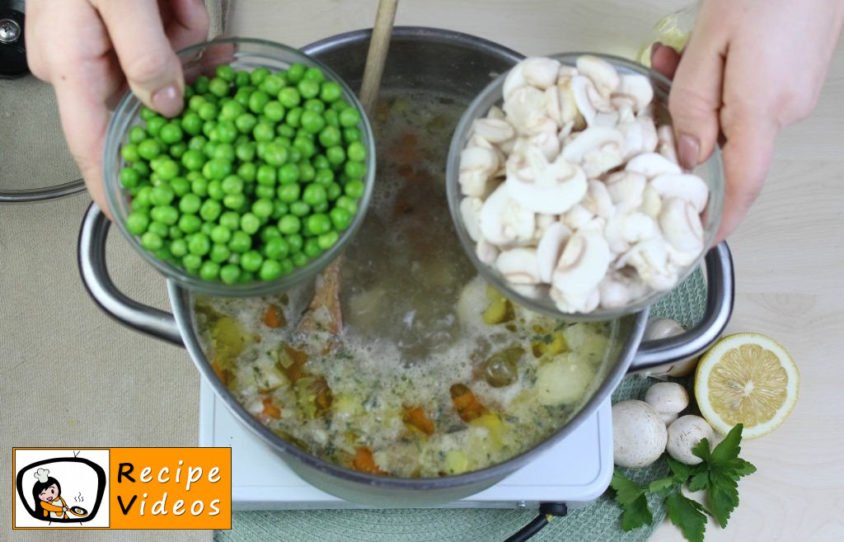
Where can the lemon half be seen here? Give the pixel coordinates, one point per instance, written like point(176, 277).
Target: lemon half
point(746, 378)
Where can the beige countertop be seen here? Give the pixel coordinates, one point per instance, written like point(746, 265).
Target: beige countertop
point(58, 349)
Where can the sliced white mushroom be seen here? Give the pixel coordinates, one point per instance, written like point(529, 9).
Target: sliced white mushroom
point(681, 227)
point(477, 165)
point(493, 130)
point(650, 259)
point(608, 119)
point(504, 221)
point(543, 222)
point(579, 85)
point(626, 190)
point(519, 265)
point(582, 265)
point(495, 112)
point(639, 227)
point(602, 74)
point(470, 211)
point(545, 139)
point(550, 248)
point(531, 291)
point(598, 200)
point(651, 164)
point(525, 109)
point(684, 186)
point(638, 88)
point(596, 149)
point(639, 137)
point(667, 148)
point(568, 104)
point(651, 202)
point(577, 217)
point(614, 293)
point(486, 252)
point(543, 186)
point(515, 80)
point(540, 72)
point(571, 303)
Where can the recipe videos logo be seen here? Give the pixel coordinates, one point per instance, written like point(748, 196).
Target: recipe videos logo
point(121, 488)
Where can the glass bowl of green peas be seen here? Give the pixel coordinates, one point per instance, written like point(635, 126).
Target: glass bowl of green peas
point(257, 185)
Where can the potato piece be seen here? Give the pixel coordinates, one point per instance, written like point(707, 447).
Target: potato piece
point(563, 380)
point(456, 462)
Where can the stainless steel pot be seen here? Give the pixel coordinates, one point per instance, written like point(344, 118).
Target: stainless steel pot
point(418, 58)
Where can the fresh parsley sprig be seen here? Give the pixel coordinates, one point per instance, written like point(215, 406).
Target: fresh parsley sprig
point(718, 474)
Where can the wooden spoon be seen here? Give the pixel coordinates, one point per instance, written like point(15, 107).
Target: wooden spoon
point(324, 312)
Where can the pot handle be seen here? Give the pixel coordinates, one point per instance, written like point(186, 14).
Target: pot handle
point(92, 266)
point(720, 286)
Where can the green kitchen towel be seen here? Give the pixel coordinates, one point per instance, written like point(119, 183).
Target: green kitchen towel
point(599, 522)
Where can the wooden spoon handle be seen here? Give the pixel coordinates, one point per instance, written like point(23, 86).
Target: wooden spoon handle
point(379, 44)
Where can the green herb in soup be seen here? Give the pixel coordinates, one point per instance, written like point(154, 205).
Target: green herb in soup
point(435, 373)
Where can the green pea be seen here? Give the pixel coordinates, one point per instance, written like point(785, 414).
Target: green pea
point(294, 117)
point(354, 170)
point(207, 228)
point(232, 185)
point(195, 102)
point(158, 229)
point(314, 194)
point(199, 186)
point(295, 155)
point(180, 186)
point(210, 210)
point(329, 136)
point(330, 91)
point(167, 215)
point(327, 240)
point(280, 209)
point(295, 242)
point(263, 132)
point(332, 118)
point(270, 270)
point(245, 123)
point(290, 192)
point(178, 247)
point(356, 151)
point(257, 101)
point(190, 204)
point(262, 208)
point(137, 222)
point(347, 203)
point(209, 271)
point(149, 149)
point(143, 198)
point(264, 192)
point(266, 175)
point(240, 242)
point(217, 169)
point(199, 244)
point(288, 173)
point(226, 131)
point(314, 74)
point(349, 117)
point(289, 224)
point(250, 223)
point(218, 87)
point(197, 143)
point(245, 152)
point(231, 110)
point(137, 134)
point(312, 122)
point(178, 149)
point(129, 177)
point(300, 259)
point(336, 155)
point(270, 231)
point(219, 253)
point(171, 133)
point(225, 72)
point(320, 162)
point(286, 131)
point(242, 95)
point(151, 241)
point(275, 154)
point(129, 152)
point(230, 220)
point(251, 260)
point(162, 195)
point(274, 111)
point(234, 201)
point(168, 170)
point(207, 111)
point(155, 124)
point(258, 75)
point(323, 177)
point(300, 209)
point(317, 224)
point(340, 218)
point(334, 191)
point(220, 234)
point(296, 72)
point(304, 146)
point(272, 84)
point(190, 223)
point(351, 134)
point(247, 171)
point(276, 248)
point(230, 273)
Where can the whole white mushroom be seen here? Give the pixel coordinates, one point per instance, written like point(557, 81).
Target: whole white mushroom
point(684, 434)
point(639, 436)
point(669, 399)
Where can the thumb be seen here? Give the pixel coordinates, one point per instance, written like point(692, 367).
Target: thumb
point(695, 98)
point(152, 69)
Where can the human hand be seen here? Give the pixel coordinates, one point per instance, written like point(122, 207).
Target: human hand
point(89, 49)
point(750, 68)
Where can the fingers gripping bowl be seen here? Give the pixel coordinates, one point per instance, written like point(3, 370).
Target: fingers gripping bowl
point(257, 185)
point(564, 188)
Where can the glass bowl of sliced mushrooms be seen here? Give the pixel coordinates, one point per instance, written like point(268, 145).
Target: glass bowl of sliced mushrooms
point(565, 189)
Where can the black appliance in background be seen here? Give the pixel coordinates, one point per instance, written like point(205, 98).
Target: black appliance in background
point(12, 46)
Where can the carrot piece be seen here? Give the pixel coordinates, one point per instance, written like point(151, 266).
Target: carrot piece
point(274, 317)
point(364, 461)
point(465, 403)
point(296, 370)
point(416, 417)
point(223, 374)
point(324, 398)
point(270, 410)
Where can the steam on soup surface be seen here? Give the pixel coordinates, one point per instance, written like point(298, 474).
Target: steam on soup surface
point(435, 373)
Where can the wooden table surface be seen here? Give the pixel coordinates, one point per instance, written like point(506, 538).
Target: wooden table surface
point(789, 252)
